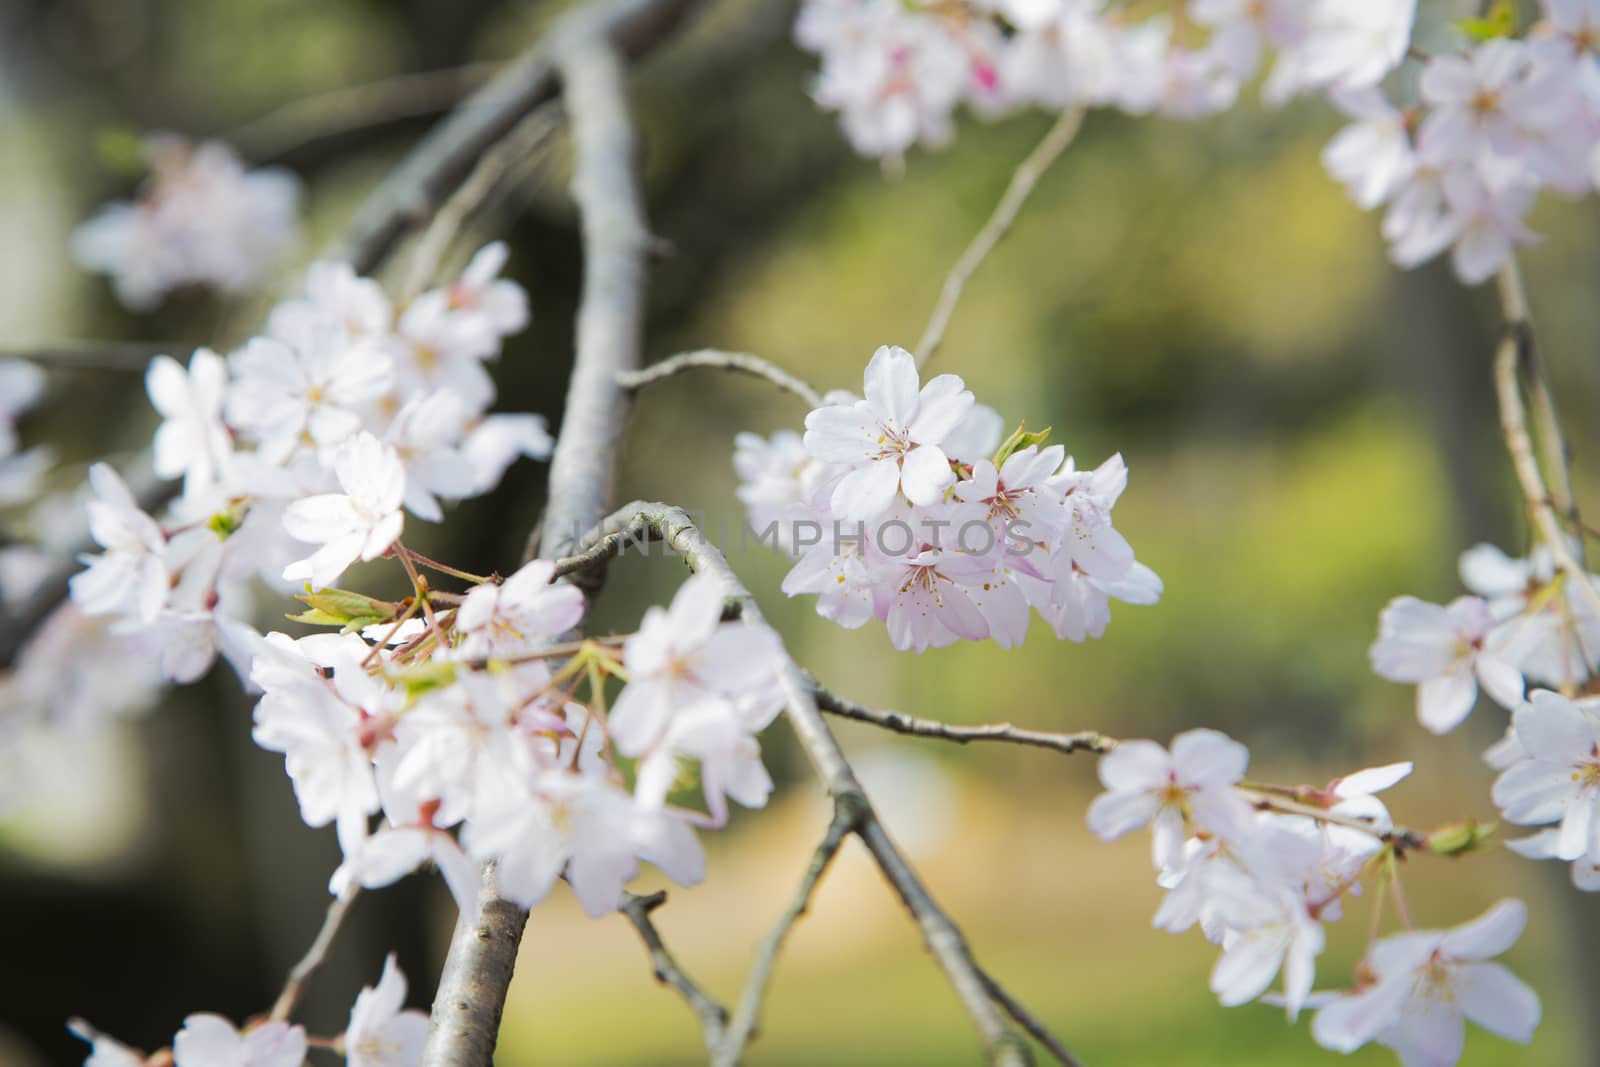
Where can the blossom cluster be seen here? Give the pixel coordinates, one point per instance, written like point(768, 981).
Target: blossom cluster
point(345, 413)
point(1461, 167)
point(1521, 625)
point(458, 729)
point(896, 71)
point(381, 1033)
point(1262, 869)
point(201, 218)
point(906, 506)
point(1457, 161)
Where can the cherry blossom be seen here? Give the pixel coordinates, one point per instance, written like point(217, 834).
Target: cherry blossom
point(891, 439)
point(130, 575)
point(104, 1051)
point(499, 621)
point(200, 219)
point(1426, 983)
point(685, 657)
point(311, 384)
point(1558, 778)
point(1373, 156)
point(1147, 784)
point(211, 1041)
point(191, 443)
point(1449, 651)
point(362, 522)
point(381, 1032)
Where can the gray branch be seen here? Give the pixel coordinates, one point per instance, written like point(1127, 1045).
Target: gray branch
point(408, 197)
point(901, 723)
point(712, 359)
point(713, 1016)
point(746, 1014)
point(295, 987)
point(944, 939)
point(585, 49)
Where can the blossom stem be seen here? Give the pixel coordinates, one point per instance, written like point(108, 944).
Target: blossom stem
point(404, 617)
point(1517, 351)
point(743, 362)
point(1027, 175)
point(1376, 922)
point(1395, 888)
point(434, 565)
point(1399, 839)
point(311, 962)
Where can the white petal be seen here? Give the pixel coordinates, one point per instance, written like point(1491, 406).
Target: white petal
point(1497, 1000)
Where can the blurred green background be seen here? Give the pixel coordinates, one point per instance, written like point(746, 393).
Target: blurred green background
point(1309, 431)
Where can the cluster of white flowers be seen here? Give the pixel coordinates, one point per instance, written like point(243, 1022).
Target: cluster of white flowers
point(1523, 625)
point(906, 506)
point(317, 432)
point(1261, 880)
point(200, 218)
point(381, 1033)
point(1492, 125)
point(1462, 167)
point(459, 723)
point(1551, 774)
point(895, 71)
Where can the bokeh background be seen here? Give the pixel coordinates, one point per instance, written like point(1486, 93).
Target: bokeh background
point(1310, 433)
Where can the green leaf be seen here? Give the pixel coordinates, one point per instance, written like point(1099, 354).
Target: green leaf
point(341, 607)
point(1499, 21)
point(1459, 838)
point(1020, 438)
point(426, 678)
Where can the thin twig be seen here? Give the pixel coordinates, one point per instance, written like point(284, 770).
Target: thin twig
point(747, 1013)
point(408, 197)
point(713, 1016)
point(944, 939)
point(1028, 1021)
point(312, 961)
point(717, 360)
point(901, 723)
point(1556, 456)
point(1027, 175)
point(490, 171)
point(1514, 425)
point(587, 47)
point(356, 107)
point(130, 357)
point(1399, 838)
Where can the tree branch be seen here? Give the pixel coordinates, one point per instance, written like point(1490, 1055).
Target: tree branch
point(311, 962)
point(713, 359)
point(1026, 1019)
point(131, 357)
point(477, 972)
point(901, 723)
point(1513, 351)
point(408, 197)
point(355, 107)
point(713, 1016)
point(1027, 175)
point(942, 936)
point(491, 169)
point(747, 1013)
